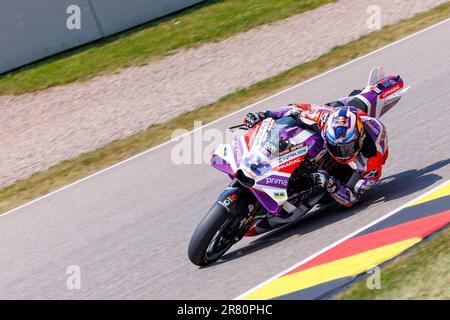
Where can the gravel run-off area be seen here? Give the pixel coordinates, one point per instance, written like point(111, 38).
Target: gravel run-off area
point(41, 129)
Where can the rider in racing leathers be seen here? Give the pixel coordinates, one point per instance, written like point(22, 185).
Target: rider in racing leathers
point(351, 137)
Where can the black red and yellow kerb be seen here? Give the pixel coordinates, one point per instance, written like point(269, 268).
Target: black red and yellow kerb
point(350, 259)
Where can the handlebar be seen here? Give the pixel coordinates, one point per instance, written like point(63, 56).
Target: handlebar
point(240, 126)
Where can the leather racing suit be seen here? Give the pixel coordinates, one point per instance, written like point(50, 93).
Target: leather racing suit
point(369, 161)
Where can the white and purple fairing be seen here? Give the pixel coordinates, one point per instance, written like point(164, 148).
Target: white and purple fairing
point(380, 95)
point(256, 157)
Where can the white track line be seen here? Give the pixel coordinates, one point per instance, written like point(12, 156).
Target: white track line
point(224, 117)
point(341, 240)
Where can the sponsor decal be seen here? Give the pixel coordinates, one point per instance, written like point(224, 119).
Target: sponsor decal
point(391, 90)
point(292, 148)
point(237, 151)
point(341, 122)
point(230, 199)
point(372, 127)
point(279, 195)
point(253, 136)
point(291, 155)
point(371, 174)
point(277, 181)
point(257, 165)
point(288, 164)
point(225, 151)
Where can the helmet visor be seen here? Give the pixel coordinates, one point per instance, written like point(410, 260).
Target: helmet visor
point(343, 151)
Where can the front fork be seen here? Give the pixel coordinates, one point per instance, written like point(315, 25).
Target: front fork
point(240, 203)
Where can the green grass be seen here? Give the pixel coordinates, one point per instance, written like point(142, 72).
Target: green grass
point(423, 273)
point(210, 21)
point(85, 164)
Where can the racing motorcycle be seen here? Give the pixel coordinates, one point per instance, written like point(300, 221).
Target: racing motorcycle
point(269, 167)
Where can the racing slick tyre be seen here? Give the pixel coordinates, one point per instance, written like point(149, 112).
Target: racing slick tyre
point(211, 238)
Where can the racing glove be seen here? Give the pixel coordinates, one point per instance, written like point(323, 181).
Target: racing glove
point(322, 179)
point(253, 118)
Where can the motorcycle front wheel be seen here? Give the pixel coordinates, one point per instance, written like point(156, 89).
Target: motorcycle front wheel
point(213, 236)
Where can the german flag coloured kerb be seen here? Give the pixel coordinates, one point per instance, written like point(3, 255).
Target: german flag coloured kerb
point(346, 262)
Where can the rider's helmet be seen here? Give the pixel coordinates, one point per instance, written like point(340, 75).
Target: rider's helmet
point(343, 134)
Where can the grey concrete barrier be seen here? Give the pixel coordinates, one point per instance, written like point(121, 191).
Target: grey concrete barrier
point(34, 29)
point(118, 15)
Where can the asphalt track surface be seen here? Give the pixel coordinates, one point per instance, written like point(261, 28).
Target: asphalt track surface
point(128, 227)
